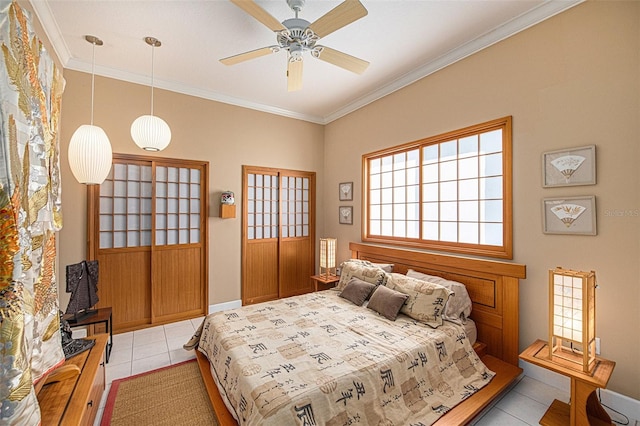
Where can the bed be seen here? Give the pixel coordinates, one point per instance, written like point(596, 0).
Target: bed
point(493, 288)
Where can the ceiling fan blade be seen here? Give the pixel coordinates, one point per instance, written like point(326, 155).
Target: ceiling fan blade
point(255, 10)
point(294, 76)
point(342, 60)
point(252, 54)
point(338, 17)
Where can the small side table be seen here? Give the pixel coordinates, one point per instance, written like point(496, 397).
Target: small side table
point(585, 409)
point(103, 315)
point(332, 279)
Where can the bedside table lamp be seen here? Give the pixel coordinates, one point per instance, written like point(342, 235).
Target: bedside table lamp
point(572, 317)
point(328, 256)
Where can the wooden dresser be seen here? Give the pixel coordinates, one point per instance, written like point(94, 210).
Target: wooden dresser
point(75, 400)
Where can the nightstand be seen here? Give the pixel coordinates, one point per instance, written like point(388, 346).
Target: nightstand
point(585, 409)
point(102, 316)
point(323, 279)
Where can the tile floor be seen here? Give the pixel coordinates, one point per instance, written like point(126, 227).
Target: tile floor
point(136, 352)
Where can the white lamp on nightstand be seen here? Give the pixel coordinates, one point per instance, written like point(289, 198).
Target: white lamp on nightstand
point(328, 256)
point(572, 317)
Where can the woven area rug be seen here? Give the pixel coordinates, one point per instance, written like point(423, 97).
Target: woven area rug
point(173, 395)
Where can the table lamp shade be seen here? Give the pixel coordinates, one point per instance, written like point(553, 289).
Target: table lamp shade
point(572, 311)
point(328, 256)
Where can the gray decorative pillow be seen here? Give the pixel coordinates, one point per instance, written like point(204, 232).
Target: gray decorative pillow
point(459, 306)
point(387, 302)
point(357, 291)
point(365, 271)
point(426, 302)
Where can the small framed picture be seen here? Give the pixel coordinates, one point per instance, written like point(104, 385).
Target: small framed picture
point(569, 215)
point(345, 215)
point(345, 191)
point(569, 167)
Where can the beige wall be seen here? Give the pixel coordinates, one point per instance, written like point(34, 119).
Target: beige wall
point(572, 80)
point(226, 136)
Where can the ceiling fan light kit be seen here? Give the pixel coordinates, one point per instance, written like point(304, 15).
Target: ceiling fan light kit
point(297, 36)
point(150, 132)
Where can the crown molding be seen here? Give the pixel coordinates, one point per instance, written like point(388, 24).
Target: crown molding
point(172, 86)
point(508, 29)
point(520, 23)
point(51, 29)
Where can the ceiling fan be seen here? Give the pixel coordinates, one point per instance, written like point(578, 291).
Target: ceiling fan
point(297, 36)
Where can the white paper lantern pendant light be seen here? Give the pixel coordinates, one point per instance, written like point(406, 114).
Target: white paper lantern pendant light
point(90, 152)
point(149, 132)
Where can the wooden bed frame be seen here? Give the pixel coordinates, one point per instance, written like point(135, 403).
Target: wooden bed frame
point(493, 288)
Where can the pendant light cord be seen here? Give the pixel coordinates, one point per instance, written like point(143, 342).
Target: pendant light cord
point(93, 76)
point(153, 48)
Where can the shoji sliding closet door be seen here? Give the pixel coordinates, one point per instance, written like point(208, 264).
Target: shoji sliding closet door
point(278, 239)
point(297, 232)
point(147, 228)
point(260, 236)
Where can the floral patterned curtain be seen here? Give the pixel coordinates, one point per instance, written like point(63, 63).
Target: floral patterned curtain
point(30, 214)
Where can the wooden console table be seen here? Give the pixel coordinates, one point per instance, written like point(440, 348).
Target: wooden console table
point(75, 400)
point(585, 409)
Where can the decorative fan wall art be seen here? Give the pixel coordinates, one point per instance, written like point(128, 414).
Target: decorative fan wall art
point(345, 191)
point(345, 215)
point(569, 167)
point(569, 215)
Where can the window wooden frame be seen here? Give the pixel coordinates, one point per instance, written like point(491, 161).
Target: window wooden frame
point(503, 250)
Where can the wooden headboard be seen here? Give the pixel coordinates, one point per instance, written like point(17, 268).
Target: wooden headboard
point(492, 286)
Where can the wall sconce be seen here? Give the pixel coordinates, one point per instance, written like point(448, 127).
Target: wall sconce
point(328, 256)
point(90, 154)
point(151, 132)
point(572, 318)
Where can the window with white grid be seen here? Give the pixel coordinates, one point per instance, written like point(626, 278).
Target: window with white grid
point(262, 206)
point(295, 206)
point(128, 214)
point(126, 206)
point(450, 192)
point(266, 194)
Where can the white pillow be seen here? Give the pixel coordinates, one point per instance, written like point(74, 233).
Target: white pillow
point(362, 270)
point(387, 267)
point(427, 301)
point(459, 304)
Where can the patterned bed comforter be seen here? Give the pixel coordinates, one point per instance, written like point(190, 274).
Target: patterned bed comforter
point(319, 359)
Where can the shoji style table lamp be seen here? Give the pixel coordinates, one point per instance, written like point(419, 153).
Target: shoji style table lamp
point(572, 318)
point(328, 256)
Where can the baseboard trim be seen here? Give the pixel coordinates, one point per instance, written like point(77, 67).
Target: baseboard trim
point(225, 306)
point(628, 406)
